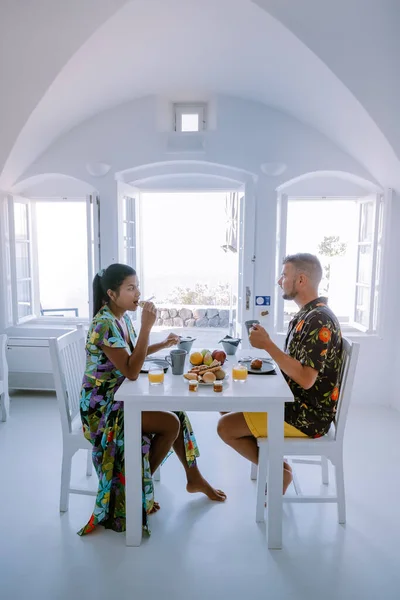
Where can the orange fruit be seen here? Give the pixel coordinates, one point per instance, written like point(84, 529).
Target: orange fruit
point(196, 358)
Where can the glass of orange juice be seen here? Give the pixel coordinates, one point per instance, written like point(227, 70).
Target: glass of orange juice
point(239, 373)
point(156, 375)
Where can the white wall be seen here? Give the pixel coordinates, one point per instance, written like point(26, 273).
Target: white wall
point(247, 135)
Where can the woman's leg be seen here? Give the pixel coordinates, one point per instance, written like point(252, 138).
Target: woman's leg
point(165, 426)
point(195, 480)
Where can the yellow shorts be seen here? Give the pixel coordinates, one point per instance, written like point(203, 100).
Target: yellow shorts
point(257, 422)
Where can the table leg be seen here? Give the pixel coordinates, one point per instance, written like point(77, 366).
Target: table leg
point(133, 474)
point(274, 482)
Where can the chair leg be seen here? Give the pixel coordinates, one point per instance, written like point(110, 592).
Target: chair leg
point(325, 470)
point(261, 483)
point(253, 472)
point(65, 480)
point(340, 491)
point(157, 474)
point(89, 463)
point(5, 406)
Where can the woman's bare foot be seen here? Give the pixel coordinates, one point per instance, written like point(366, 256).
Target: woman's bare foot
point(156, 507)
point(199, 484)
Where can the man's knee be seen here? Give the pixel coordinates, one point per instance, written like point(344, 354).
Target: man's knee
point(223, 428)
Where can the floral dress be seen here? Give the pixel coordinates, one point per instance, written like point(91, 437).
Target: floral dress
point(103, 425)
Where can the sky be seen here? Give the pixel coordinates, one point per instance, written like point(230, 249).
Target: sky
point(62, 255)
point(182, 235)
point(308, 223)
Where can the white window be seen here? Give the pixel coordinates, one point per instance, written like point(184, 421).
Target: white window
point(189, 118)
point(346, 234)
point(21, 257)
point(369, 253)
point(54, 247)
point(6, 299)
point(129, 230)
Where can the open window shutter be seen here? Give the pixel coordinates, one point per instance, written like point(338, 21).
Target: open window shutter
point(6, 318)
point(370, 212)
point(246, 246)
point(281, 229)
point(93, 239)
point(20, 240)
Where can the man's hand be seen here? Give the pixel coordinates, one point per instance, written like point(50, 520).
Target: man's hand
point(171, 340)
point(259, 338)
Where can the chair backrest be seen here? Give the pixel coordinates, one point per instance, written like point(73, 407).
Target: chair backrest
point(68, 359)
point(3, 361)
point(349, 362)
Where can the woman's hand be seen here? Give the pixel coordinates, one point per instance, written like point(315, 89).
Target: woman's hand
point(149, 314)
point(171, 340)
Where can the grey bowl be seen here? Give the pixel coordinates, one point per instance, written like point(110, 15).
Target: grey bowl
point(229, 348)
point(186, 344)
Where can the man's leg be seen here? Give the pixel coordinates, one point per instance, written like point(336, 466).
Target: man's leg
point(234, 431)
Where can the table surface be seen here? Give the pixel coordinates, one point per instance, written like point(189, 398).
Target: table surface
point(255, 389)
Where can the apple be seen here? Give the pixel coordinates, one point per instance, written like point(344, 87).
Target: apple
point(204, 352)
point(207, 360)
point(219, 355)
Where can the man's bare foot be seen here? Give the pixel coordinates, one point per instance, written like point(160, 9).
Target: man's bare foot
point(287, 479)
point(201, 485)
point(287, 466)
point(156, 507)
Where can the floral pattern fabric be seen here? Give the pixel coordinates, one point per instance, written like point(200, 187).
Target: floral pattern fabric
point(314, 338)
point(103, 425)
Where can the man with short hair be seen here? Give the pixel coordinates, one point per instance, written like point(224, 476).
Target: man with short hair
point(310, 363)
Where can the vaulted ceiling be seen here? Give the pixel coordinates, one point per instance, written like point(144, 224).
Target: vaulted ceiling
point(332, 65)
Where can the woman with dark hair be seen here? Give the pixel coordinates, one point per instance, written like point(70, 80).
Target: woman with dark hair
point(113, 353)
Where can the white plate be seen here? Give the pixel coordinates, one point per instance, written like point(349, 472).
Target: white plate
point(203, 383)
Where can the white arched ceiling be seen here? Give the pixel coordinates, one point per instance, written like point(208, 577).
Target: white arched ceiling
point(361, 186)
point(52, 185)
point(171, 168)
point(37, 38)
point(359, 41)
point(190, 50)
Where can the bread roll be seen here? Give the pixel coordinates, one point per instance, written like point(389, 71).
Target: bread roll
point(220, 374)
point(190, 376)
point(256, 364)
point(209, 377)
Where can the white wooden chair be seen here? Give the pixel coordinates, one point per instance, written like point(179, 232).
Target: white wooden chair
point(4, 396)
point(328, 447)
point(68, 361)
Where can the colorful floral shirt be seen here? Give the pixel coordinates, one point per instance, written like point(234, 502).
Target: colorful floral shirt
point(314, 338)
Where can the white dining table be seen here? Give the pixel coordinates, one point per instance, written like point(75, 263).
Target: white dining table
point(259, 393)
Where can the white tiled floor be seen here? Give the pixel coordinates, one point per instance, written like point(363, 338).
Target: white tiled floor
point(198, 550)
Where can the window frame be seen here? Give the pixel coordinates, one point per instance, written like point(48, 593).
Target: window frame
point(12, 201)
point(92, 202)
point(181, 109)
point(381, 203)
